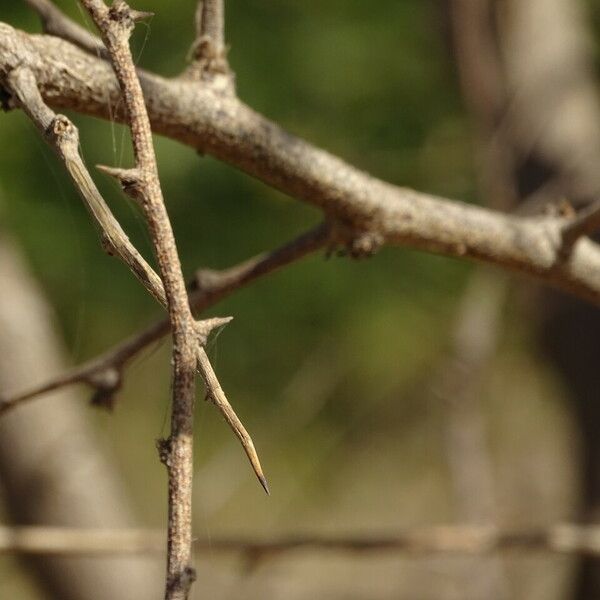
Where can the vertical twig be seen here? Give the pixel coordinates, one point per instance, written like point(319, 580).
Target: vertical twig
point(210, 22)
point(208, 53)
point(116, 24)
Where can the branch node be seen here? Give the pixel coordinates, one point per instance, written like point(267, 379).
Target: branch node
point(350, 240)
point(164, 447)
point(124, 18)
point(211, 58)
point(208, 52)
point(62, 130)
point(130, 180)
point(182, 582)
point(584, 223)
point(106, 383)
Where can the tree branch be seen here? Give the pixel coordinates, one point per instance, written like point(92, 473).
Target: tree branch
point(115, 25)
point(63, 136)
point(210, 21)
point(461, 539)
point(55, 22)
point(104, 372)
point(106, 375)
point(225, 127)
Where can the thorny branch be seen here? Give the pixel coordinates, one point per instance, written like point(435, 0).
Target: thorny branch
point(373, 212)
point(115, 25)
point(104, 374)
point(63, 136)
point(377, 212)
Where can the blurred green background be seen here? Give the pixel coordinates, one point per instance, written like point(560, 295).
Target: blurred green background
point(325, 362)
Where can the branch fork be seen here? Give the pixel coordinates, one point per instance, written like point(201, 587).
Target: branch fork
point(208, 52)
point(346, 239)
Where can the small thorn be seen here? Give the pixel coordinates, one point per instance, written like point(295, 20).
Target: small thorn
point(140, 15)
point(206, 326)
point(129, 179)
point(120, 174)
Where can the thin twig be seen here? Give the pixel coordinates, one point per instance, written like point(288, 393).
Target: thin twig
point(115, 25)
point(55, 22)
point(563, 538)
point(210, 22)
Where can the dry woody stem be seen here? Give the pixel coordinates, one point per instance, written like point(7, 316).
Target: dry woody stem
point(225, 127)
point(55, 22)
point(209, 52)
point(458, 540)
point(116, 25)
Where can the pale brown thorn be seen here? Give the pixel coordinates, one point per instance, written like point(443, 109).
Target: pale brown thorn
point(217, 396)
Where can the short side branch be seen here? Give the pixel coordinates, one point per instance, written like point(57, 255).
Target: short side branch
point(209, 52)
point(207, 289)
point(55, 22)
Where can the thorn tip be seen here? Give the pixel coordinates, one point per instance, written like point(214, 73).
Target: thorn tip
point(265, 485)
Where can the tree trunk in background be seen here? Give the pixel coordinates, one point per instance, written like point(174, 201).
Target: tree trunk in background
point(53, 469)
point(556, 113)
point(549, 122)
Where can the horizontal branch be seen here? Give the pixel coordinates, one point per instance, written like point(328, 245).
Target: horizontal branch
point(226, 128)
point(103, 373)
point(450, 540)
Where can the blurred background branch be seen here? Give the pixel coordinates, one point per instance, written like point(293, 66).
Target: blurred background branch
point(451, 539)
